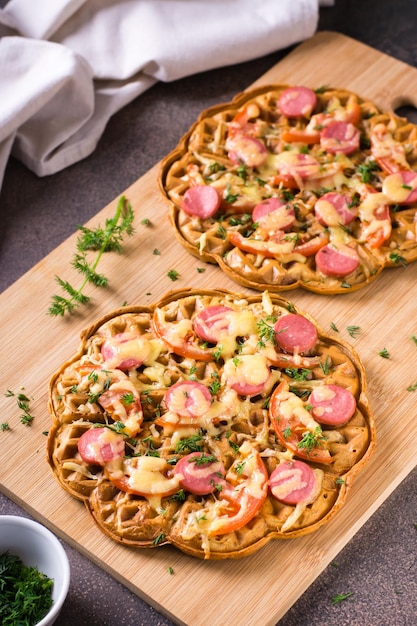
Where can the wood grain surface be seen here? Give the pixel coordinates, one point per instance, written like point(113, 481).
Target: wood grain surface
point(261, 588)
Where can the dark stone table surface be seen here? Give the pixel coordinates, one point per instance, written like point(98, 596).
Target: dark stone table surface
point(379, 565)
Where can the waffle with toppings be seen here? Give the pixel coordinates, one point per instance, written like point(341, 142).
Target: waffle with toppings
point(211, 421)
point(288, 187)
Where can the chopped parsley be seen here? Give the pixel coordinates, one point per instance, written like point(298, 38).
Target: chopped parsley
point(26, 593)
point(173, 275)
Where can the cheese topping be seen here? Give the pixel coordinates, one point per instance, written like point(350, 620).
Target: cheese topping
point(145, 475)
point(394, 188)
point(135, 348)
point(292, 406)
point(328, 212)
point(248, 369)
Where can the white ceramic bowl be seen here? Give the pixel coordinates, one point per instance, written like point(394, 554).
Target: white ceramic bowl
point(38, 546)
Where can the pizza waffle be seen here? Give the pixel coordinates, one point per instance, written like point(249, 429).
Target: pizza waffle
point(288, 187)
point(211, 421)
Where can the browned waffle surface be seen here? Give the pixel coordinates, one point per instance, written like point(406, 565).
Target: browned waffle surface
point(262, 256)
point(127, 392)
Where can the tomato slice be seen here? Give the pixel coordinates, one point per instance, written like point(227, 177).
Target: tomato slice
point(285, 409)
point(122, 403)
point(313, 245)
point(296, 135)
point(245, 490)
point(388, 152)
point(352, 110)
point(181, 338)
point(375, 217)
point(254, 246)
point(269, 249)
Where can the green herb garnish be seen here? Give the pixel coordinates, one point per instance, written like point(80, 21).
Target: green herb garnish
point(173, 275)
point(384, 353)
point(339, 597)
point(26, 593)
point(398, 259)
point(101, 240)
point(353, 330)
point(23, 404)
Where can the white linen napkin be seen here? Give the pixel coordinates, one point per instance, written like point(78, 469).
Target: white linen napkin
point(67, 66)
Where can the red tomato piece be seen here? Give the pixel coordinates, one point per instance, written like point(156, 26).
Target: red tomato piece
point(182, 344)
point(98, 446)
point(200, 473)
point(201, 201)
point(293, 482)
point(375, 217)
point(188, 398)
point(124, 406)
point(332, 404)
point(291, 431)
point(245, 490)
point(241, 120)
point(388, 152)
point(333, 208)
point(253, 246)
point(295, 135)
point(212, 323)
point(125, 351)
point(340, 137)
point(297, 102)
point(245, 149)
point(337, 262)
point(352, 110)
point(313, 245)
point(295, 333)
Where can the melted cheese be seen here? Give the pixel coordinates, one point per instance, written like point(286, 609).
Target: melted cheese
point(393, 187)
point(328, 212)
point(370, 205)
point(146, 476)
point(293, 406)
point(176, 333)
point(135, 348)
point(248, 369)
point(384, 146)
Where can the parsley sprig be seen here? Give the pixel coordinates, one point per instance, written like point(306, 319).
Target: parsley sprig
point(100, 240)
point(23, 401)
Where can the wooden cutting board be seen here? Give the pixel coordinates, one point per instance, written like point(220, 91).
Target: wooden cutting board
point(260, 588)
